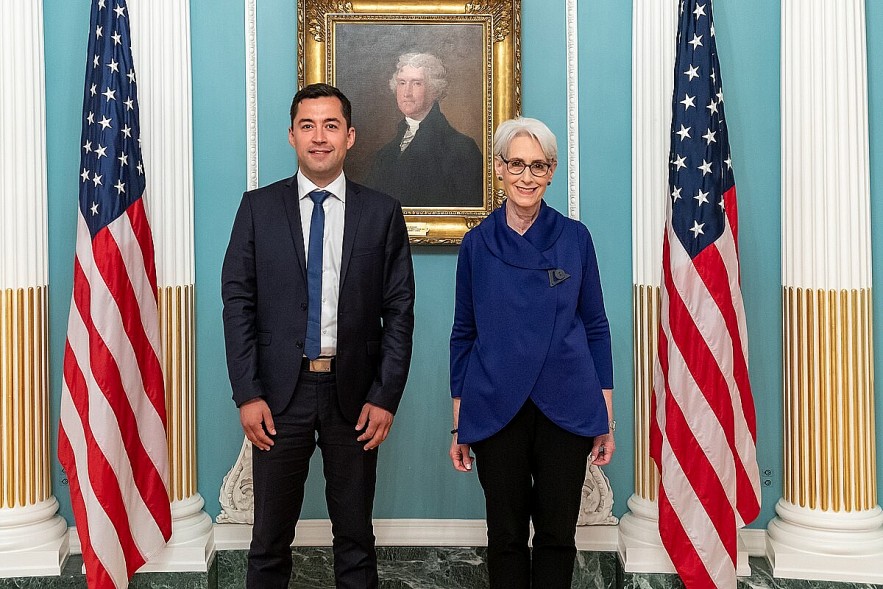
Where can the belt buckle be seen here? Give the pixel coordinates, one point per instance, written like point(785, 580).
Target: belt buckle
point(320, 365)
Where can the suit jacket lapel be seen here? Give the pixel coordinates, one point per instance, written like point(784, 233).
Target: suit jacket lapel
point(291, 201)
point(351, 216)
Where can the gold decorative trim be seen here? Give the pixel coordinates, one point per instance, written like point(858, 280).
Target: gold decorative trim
point(21, 400)
point(829, 452)
point(645, 334)
point(499, 11)
point(7, 472)
point(317, 23)
point(24, 437)
point(177, 335)
point(43, 408)
point(315, 16)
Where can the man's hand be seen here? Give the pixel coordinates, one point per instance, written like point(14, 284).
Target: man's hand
point(378, 421)
point(255, 417)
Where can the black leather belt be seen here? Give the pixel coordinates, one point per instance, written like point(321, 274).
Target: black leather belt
point(317, 365)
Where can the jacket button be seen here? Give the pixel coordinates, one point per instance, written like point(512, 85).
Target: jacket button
point(303, 306)
point(298, 344)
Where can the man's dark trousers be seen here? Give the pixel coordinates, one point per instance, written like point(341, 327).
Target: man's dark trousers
point(312, 417)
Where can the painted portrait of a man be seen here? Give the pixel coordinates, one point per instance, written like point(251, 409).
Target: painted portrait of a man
point(428, 162)
point(420, 110)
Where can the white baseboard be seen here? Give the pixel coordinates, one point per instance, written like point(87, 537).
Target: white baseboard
point(429, 532)
point(39, 561)
point(754, 541)
point(409, 532)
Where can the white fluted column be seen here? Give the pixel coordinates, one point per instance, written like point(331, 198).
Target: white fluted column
point(161, 50)
point(33, 537)
point(654, 26)
point(828, 525)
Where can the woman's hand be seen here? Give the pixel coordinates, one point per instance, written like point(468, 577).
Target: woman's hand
point(604, 445)
point(603, 449)
point(459, 452)
point(460, 456)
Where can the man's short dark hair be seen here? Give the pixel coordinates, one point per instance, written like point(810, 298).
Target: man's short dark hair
point(321, 91)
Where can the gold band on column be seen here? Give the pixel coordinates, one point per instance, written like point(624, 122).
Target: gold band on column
point(24, 432)
point(177, 332)
point(645, 313)
point(830, 461)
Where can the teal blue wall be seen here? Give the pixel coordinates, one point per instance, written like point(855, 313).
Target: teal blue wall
point(748, 46)
point(605, 112)
point(65, 24)
point(416, 479)
point(875, 120)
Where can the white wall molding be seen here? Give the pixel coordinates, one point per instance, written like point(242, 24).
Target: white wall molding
point(251, 93)
point(572, 26)
point(429, 532)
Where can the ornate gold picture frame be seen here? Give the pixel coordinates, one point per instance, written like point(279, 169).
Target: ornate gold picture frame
point(443, 176)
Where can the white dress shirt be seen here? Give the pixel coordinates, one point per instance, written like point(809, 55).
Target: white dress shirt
point(334, 206)
point(413, 126)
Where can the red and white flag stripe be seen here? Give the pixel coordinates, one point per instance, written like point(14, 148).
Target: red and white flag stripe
point(112, 436)
point(704, 432)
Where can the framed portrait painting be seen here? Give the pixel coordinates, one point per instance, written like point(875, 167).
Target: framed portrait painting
point(429, 83)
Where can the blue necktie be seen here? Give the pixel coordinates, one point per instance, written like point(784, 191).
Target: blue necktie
point(314, 275)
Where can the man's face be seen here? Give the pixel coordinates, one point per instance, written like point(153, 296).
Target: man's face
point(412, 92)
point(320, 138)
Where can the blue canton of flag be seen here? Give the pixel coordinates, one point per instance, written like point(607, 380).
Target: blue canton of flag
point(703, 435)
point(112, 416)
point(701, 171)
point(112, 176)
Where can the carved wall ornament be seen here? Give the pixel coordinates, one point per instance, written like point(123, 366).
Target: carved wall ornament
point(596, 508)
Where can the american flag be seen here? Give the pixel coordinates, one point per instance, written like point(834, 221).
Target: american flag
point(112, 433)
point(703, 433)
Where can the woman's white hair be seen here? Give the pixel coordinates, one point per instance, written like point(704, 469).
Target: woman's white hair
point(436, 74)
point(525, 127)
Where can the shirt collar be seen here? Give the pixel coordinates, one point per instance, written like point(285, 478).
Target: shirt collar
point(336, 187)
point(413, 123)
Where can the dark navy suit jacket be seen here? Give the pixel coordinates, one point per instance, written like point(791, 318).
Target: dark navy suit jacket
point(263, 285)
point(522, 333)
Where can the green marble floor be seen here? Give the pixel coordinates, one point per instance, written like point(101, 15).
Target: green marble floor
point(761, 578)
point(412, 568)
point(72, 577)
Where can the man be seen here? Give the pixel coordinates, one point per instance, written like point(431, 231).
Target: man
point(428, 163)
point(318, 292)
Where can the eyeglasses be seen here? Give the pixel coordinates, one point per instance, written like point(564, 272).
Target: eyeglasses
point(537, 169)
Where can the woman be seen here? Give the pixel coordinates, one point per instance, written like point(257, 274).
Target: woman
point(531, 366)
